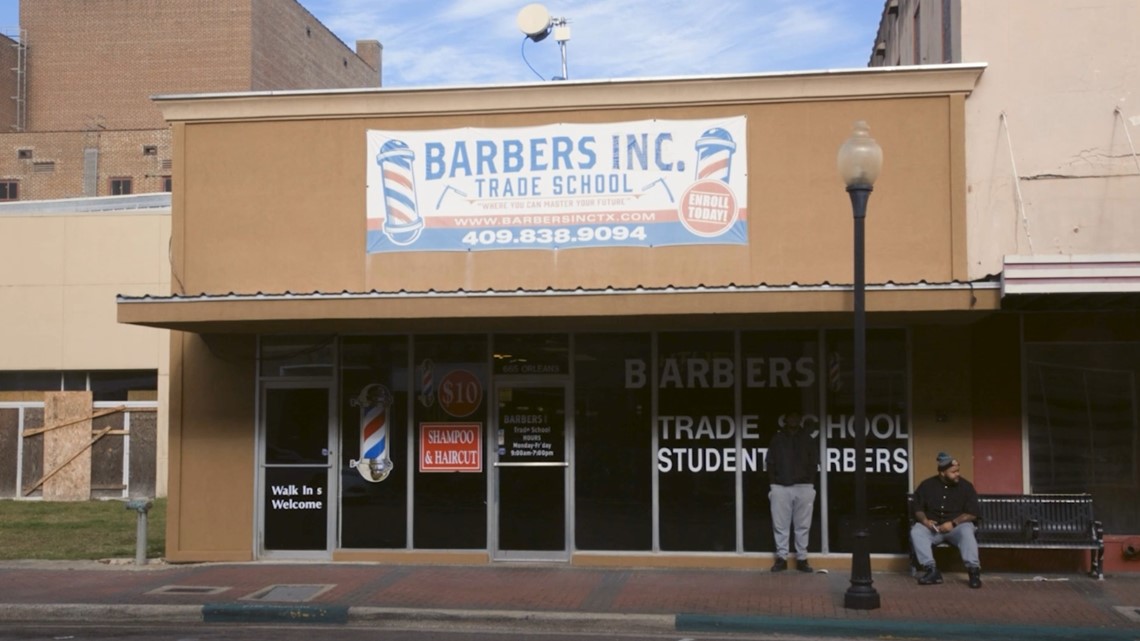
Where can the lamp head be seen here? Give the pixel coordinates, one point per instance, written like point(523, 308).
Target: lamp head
point(860, 157)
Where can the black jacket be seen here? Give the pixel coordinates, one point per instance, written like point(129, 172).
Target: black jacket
point(793, 457)
point(941, 502)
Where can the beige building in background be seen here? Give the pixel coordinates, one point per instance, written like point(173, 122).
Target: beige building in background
point(1051, 161)
point(1052, 187)
point(63, 262)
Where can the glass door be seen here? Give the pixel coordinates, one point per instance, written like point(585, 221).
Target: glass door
point(297, 482)
point(531, 473)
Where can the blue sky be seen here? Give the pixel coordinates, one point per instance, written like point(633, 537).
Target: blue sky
point(448, 42)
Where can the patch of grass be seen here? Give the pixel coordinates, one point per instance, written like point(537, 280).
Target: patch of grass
point(77, 530)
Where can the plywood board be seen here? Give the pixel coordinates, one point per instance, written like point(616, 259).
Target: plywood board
point(9, 450)
point(73, 482)
point(143, 452)
point(33, 452)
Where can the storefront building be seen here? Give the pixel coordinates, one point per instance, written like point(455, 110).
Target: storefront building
point(561, 322)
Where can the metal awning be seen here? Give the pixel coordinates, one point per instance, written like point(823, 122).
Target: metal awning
point(820, 304)
point(1071, 282)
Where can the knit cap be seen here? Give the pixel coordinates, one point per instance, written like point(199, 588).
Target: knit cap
point(945, 461)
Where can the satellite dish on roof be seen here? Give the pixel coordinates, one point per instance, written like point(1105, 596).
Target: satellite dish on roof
point(535, 21)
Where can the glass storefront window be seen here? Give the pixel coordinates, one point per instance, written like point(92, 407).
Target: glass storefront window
point(696, 455)
point(77, 381)
point(30, 380)
point(693, 419)
point(105, 385)
point(124, 385)
point(887, 445)
point(613, 473)
point(451, 383)
point(374, 515)
point(297, 356)
point(531, 354)
point(1083, 425)
point(779, 374)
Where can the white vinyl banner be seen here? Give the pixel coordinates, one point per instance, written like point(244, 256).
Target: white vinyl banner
point(647, 183)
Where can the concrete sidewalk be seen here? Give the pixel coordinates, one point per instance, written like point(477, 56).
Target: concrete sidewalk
point(1009, 606)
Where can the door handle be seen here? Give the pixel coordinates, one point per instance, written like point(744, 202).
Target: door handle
point(326, 451)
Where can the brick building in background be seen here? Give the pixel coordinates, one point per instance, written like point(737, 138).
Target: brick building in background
point(84, 158)
point(76, 117)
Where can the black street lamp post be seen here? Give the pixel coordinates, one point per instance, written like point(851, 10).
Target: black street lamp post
point(860, 159)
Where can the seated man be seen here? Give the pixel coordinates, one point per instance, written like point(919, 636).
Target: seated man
point(945, 508)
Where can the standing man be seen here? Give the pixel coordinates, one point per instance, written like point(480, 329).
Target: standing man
point(792, 461)
point(945, 508)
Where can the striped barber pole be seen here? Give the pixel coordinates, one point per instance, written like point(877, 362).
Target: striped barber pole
point(834, 372)
point(375, 462)
point(427, 383)
point(402, 220)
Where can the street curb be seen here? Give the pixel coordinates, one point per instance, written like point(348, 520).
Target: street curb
point(334, 614)
point(598, 622)
point(581, 621)
point(270, 612)
point(88, 612)
point(906, 629)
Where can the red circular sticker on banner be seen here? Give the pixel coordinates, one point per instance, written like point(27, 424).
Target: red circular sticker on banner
point(708, 208)
point(460, 393)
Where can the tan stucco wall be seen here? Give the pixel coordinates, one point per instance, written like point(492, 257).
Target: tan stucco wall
point(257, 195)
point(941, 399)
point(1058, 85)
point(59, 275)
point(210, 514)
point(799, 230)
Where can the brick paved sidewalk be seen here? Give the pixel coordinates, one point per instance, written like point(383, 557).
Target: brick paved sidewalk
point(1057, 601)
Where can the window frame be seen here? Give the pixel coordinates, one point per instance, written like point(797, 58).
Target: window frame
point(115, 185)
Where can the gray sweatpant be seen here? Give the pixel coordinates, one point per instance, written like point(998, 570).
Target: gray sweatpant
point(792, 507)
point(923, 540)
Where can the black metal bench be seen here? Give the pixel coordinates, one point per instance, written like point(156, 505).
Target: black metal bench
point(1037, 521)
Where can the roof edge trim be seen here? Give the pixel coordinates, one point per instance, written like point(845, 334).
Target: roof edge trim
point(876, 82)
point(609, 291)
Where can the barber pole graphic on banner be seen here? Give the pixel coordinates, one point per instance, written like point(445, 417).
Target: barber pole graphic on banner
point(375, 463)
point(402, 214)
